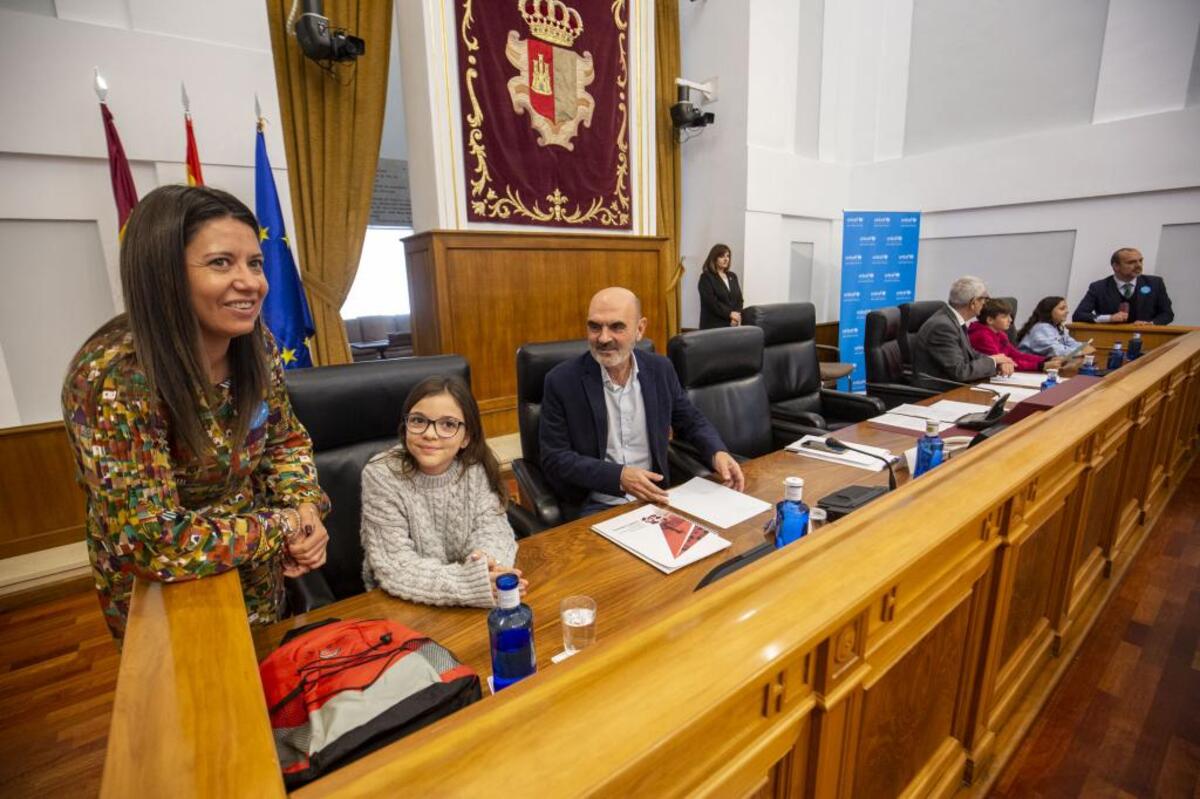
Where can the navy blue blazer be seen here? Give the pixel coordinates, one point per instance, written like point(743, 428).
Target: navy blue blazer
point(573, 431)
point(1149, 303)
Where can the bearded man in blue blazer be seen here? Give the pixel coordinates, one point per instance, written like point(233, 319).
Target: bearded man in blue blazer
point(1126, 297)
point(607, 414)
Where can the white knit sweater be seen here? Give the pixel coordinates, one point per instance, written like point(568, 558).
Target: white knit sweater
point(418, 530)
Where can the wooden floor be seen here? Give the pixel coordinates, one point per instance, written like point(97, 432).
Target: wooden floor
point(1125, 721)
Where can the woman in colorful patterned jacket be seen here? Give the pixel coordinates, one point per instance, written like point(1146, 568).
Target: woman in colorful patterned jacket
point(178, 415)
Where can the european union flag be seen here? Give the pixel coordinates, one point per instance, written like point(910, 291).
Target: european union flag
point(285, 310)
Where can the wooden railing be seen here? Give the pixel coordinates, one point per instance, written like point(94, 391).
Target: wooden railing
point(905, 654)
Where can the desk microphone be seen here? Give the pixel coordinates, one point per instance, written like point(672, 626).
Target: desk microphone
point(840, 446)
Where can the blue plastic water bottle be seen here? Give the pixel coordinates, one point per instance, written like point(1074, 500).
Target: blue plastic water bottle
point(1051, 379)
point(930, 449)
point(1089, 366)
point(1116, 356)
point(791, 514)
point(510, 630)
point(1135, 347)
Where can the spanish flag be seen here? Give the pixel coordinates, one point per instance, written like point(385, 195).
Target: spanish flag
point(124, 192)
point(194, 177)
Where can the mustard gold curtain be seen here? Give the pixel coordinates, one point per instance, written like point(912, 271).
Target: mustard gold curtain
point(332, 123)
point(667, 166)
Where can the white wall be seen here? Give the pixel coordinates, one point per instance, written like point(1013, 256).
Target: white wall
point(1009, 119)
point(53, 163)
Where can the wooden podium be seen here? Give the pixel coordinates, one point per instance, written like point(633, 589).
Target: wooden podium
point(482, 295)
point(1103, 336)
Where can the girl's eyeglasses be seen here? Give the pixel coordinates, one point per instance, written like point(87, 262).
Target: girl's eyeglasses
point(446, 427)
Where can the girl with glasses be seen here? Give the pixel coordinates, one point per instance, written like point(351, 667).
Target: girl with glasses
point(433, 523)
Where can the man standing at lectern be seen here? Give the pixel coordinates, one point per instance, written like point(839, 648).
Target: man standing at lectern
point(606, 416)
point(1126, 297)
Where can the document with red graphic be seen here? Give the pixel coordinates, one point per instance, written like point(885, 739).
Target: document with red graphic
point(665, 540)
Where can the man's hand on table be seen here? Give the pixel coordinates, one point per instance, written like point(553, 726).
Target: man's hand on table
point(729, 471)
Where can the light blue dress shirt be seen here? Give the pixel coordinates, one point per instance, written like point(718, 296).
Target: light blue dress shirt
point(1050, 340)
point(628, 442)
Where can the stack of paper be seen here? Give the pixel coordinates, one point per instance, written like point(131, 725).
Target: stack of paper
point(1015, 393)
point(906, 422)
point(663, 539)
point(1026, 379)
point(814, 447)
point(941, 411)
point(714, 503)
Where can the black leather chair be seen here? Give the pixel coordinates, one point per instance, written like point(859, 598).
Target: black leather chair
point(886, 379)
point(912, 316)
point(793, 376)
point(534, 362)
point(352, 412)
point(721, 373)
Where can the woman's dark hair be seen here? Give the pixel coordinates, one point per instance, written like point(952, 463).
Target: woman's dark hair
point(993, 308)
point(476, 450)
point(710, 263)
point(1042, 313)
point(159, 312)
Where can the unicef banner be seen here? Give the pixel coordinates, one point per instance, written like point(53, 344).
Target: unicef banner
point(879, 268)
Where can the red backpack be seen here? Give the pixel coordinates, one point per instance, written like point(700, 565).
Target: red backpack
point(337, 690)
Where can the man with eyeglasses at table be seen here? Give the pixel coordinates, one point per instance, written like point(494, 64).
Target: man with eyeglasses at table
point(942, 349)
point(606, 416)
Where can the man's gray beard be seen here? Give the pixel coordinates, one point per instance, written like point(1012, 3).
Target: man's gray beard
point(596, 358)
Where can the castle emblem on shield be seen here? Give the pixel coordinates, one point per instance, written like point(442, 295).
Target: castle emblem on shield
point(552, 79)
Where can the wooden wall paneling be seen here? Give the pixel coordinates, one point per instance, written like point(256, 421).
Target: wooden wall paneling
point(41, 504)
point(907, 738)
point(484, 294)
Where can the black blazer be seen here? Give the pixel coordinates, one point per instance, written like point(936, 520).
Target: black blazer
point(716, 301)
point(943, 350)
point(1149, 302)
point(573, 432)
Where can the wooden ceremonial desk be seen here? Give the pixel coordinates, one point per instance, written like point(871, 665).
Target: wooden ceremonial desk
point(902, 650)
point(1103, 336)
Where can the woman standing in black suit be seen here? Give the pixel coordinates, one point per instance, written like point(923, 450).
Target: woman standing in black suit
point(720, 294)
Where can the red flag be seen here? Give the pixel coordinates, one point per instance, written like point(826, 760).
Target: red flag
point(124, 192)
point(194, 177)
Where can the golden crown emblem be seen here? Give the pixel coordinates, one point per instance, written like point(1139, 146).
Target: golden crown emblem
point(551, 20)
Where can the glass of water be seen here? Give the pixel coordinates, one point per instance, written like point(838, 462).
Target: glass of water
point(578, 622)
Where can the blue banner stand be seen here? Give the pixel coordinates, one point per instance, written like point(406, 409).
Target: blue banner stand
point(879, 268)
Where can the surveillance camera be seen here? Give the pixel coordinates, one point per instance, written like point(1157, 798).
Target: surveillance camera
point(320, 43)
point(685, 114)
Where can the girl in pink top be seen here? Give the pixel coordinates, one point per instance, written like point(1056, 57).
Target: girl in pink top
point(989, 335)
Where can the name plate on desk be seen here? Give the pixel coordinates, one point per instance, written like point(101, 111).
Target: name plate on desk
point(1051, 397)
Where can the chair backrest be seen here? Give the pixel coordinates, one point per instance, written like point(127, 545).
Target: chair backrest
point(352, 412)
point(534, 362)
point(790, 364)
point(721, 372)
point(912, 316)
point(882, 346)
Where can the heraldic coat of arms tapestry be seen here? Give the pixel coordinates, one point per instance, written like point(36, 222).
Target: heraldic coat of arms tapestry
point(545, 107)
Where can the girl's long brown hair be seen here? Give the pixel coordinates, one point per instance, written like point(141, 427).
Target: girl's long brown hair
point(159, 312)
point(1042, 312)
point(476, 450)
